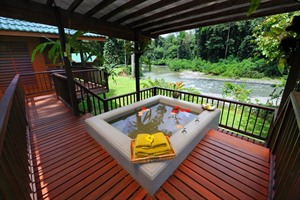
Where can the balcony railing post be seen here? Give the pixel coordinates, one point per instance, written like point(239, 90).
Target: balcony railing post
point(154, 91)
point(105, 103)
point(89, 103)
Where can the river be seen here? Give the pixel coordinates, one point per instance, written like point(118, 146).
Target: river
point(208, 86)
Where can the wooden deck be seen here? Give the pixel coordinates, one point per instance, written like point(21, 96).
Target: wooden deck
point(69, 164)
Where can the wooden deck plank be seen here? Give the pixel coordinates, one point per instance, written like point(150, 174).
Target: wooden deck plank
point(236, 157)
point(68, 163)
point(65, 184)
point(242, 154)
point(91, 186)
point(256, 150)
point(242, 167)
point(221, 193)
point(167, 186)
point(193, 184)
point(100, 190)
point(229, 167)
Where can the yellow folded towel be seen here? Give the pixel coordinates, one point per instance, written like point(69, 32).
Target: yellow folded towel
point(140, 152)
point(152, 150)
point(147, 145)
point(159, 140)
point(142, 142)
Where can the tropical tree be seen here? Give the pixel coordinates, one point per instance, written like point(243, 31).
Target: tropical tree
point(269, 34)
point(73, 45)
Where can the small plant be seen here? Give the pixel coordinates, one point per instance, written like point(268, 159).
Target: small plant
point(236, 91)
point(156, 83)
point(177, 85)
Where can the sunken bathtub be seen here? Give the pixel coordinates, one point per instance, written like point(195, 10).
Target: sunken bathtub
point(106, 130)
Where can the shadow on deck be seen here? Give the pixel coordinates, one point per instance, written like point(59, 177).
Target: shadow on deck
point(68, 163)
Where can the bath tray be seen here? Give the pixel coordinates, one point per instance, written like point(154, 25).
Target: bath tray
point(169, 156)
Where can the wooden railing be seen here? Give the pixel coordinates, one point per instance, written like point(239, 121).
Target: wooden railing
point(39, 83)
point(62, 89)
point(14, 165)
point(243, 118)
point(284, 143)
point(88, 101)
point(93, 79)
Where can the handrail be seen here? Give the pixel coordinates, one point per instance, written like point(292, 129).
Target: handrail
point(14, 166)
point(5, 108)
point(36, 83)
point(285, 155)
point(89, 101)
point(244, 118)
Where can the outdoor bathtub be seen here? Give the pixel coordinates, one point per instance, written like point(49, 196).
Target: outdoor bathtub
point(151, 175)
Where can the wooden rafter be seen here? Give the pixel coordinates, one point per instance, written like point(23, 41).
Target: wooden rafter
point(219, 20)
point(122, 8)
point(99, 7)
point(74, 5)
point(147, 9)
point(123, 19)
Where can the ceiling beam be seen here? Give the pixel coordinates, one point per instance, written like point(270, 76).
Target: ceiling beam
point(147, 9)
point(225, 12)
point(237, 17)
point(74, 5)
point(167, 12)
point(202, 10)
point(122, 8)
point(40, 13)
point(98, 7)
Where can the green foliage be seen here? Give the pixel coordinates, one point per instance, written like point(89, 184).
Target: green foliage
point(112, 51)
point(270, 33)
point(156, 83)
point(73, 45)
point(164, 84)
point(237, 91)
point(247, 68)
point(254, 4)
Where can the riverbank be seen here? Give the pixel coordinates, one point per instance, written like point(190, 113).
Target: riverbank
point(201, 75)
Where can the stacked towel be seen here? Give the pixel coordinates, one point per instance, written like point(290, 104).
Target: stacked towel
point(160, 140)
point(158, 146)
point(142, 142)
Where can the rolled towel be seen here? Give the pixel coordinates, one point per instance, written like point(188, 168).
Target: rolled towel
point(141, 141)
point(159, 140)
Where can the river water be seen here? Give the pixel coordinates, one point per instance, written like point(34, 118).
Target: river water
point(212, 87)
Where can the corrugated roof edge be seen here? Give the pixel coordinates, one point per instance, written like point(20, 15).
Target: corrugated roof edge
point(10, 24)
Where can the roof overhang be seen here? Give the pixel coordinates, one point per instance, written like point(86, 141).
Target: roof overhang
point(46, 35)
point(146, 18)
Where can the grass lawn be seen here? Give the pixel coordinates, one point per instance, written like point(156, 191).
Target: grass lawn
point(123, 85)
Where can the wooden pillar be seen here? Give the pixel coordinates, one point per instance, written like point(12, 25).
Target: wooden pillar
point(137, 67)
point(82, 59)
point(292, 78)
point(70, 78)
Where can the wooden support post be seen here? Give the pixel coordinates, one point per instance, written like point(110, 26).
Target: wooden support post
point(67, 63)
point(137, 67)
point(292, 78)
point(82, 59)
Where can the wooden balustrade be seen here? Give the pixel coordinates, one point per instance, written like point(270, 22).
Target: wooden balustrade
point(243, 118)
point(40, 83)
point(284, 143)
point(15, 181)
point(37, 83)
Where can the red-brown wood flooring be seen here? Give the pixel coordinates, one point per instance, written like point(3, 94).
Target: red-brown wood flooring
point(69, 164)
